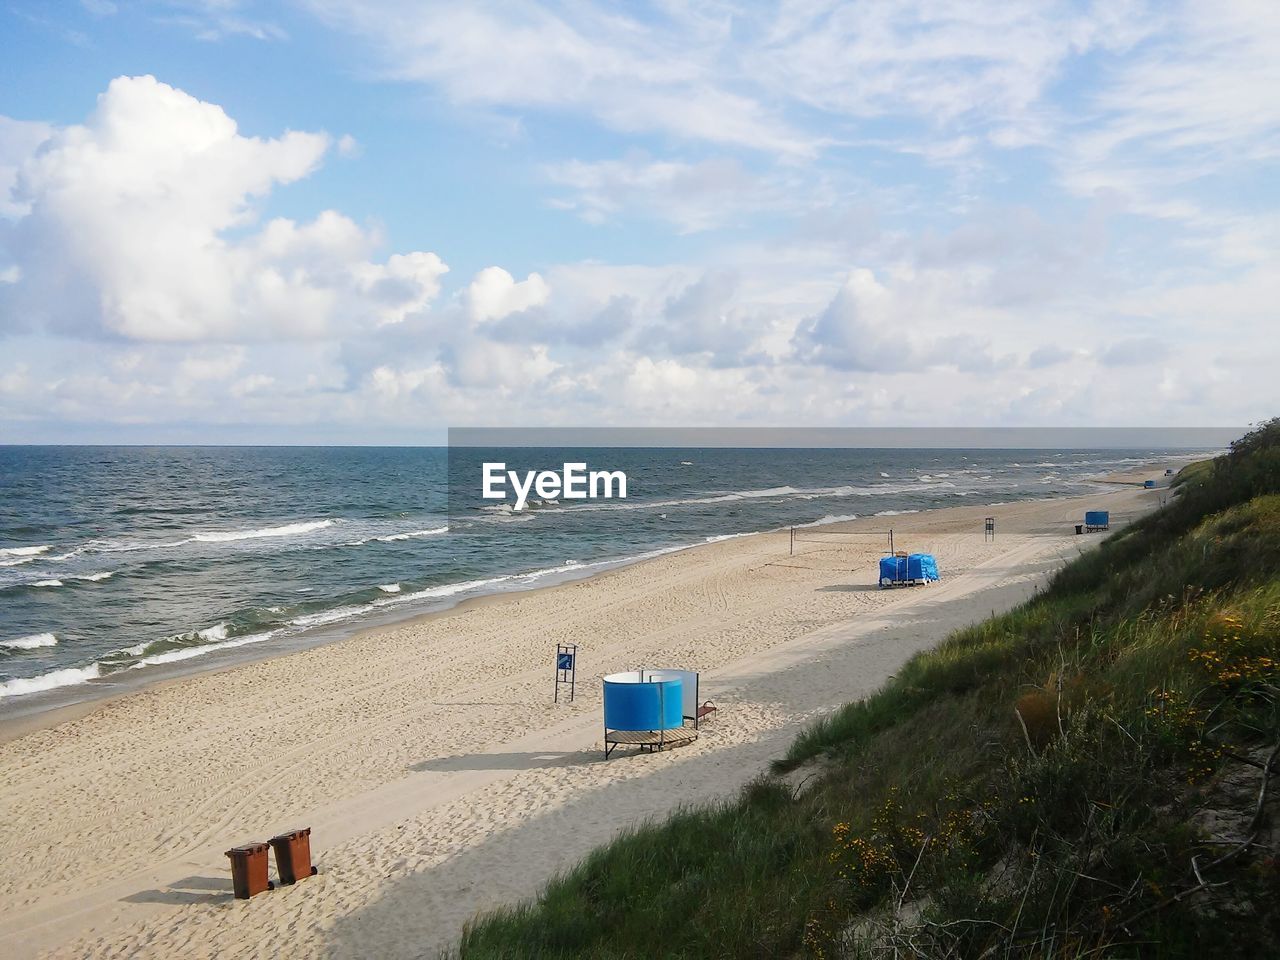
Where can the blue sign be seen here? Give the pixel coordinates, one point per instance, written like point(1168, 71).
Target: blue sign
point(564, 661)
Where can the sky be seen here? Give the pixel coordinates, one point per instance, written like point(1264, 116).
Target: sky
point(365, 221)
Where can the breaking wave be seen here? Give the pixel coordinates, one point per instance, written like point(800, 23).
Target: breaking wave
point(32, 642)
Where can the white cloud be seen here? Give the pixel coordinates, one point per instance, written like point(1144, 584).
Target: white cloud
point(984, 60)
point(18, 141)
point(691, 196)
point(631, 74)
point(1193, 103)
point(872, 328)
point(1049, 356)
point(1135, 351)
point(495, 294)
point(211, 363)
point(770, 80)
point(138, 224)
point(215, 20)
point(848, 152)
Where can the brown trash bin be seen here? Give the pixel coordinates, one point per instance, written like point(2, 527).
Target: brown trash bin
point(293, 855)
point(249, 870)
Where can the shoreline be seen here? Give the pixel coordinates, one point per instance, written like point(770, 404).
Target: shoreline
point(437, 775)
point(28, 713)
point(40, 713)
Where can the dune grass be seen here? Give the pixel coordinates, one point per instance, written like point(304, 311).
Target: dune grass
point(1077, 777)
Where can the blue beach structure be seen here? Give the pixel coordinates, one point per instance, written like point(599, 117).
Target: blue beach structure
point(1148, 484)
point(909, 569)
point(892, 570)
point(648, 708)
point(922, 567)
point(1097, 520)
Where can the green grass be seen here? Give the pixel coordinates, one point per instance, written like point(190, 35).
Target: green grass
point(1035, 786)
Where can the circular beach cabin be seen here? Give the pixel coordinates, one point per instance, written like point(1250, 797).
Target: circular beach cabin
point(648, 709)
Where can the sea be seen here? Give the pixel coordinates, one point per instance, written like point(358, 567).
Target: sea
point(123, 564)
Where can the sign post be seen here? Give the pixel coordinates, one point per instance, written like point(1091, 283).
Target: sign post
point(566, 667)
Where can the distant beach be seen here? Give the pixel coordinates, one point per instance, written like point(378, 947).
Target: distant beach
point(427, 756)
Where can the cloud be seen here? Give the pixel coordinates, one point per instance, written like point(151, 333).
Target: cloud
point(1048, 356)
point(870, 328)
point(1188, 108)
point(705, 317)
point(139, 224)
point(691, 196)
point(1136, 351)
point(583, 325)
point(650, 72)
point(495, 294)
point(986, 62)
point(788, 81)
point(18, 141)
point(960, 199)
point(215, 20)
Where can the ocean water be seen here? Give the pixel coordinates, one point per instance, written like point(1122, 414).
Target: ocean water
point(115, 561)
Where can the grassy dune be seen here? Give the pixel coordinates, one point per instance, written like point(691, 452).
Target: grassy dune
point(1087, 775)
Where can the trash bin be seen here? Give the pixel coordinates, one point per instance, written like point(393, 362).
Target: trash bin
point(293, 855)
point(249, 870)
point(1079, 529)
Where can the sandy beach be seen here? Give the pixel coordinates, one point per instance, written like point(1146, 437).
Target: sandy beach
point(438, 777)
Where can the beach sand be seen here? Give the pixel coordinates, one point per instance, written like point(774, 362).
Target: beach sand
point(436, 773)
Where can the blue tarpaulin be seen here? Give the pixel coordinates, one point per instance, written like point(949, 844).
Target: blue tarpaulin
point(1097, 519)
point(893, 569)
point(915, 568)
point(922, 566)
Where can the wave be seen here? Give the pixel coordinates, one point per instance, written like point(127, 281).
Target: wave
point(389, 587)
point(96, 577)
point(208, 635)
point(49, 681)
point(12, 556)
point(187, 653)
point(388, 538)
point(47, 583)
point(412, 534)
point(32, 642)
point(206, 536)
point(829, 518)
point(25, 551)
point(505, 511)
point(286, 530)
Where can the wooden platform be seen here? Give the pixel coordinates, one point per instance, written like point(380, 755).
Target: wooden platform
point(649, 739)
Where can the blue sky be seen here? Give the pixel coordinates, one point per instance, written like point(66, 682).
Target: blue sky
point(367, 220)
